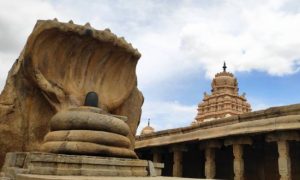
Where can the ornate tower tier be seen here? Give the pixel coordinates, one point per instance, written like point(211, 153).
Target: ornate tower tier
point(224, 100)
point(148, 129)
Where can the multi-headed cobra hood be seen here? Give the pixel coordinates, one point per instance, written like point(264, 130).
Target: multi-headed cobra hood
point(60, 64)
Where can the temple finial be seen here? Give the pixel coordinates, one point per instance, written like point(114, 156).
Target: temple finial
point(148, 121)
point(224, 67)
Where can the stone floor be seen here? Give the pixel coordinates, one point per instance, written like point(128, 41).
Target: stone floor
point(43, 177)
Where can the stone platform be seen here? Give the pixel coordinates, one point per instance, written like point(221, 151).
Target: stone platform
point(20, 164)
point(41, 177)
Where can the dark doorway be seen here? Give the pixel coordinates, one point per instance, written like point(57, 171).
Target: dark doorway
point(167, 159)
point(224, 163)
point(193, 163)
point(295, 159)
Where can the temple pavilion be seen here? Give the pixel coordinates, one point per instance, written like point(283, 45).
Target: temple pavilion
point(227, 140)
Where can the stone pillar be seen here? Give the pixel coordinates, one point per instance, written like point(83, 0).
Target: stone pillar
point(210, 164)
point(177, 159)
point(238, 161)
point(284, 160)
point(157, 158)
point(209, 150)
point(177, 164)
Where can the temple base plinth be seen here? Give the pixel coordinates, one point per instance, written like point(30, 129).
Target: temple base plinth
point(36, 163)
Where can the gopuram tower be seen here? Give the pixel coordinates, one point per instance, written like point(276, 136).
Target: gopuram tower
point(224, 100)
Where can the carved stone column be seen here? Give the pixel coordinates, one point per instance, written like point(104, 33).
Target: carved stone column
point(210, 164)
point(157, 155)
point(177, 164)
point(238, 161)
point(284, 160)
point(209, 150)
point(177, 159)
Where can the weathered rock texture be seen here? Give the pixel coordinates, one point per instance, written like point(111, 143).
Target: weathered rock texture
point(84, 132)
point(80, 167)
point(59, 64)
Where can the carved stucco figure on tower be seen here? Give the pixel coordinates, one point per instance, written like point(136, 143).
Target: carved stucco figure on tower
point(59, 65)
point(224, 100)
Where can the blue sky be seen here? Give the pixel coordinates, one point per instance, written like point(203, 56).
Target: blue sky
point(183, 44)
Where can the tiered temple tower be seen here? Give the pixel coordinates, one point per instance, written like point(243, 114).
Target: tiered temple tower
point(224, 101)
point(148, 129)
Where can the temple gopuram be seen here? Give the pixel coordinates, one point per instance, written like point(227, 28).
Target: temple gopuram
point(148, 129)
point(227, 140)
point(224, 100)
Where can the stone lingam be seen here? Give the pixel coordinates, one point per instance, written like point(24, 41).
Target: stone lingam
point(88, 130)
point(50, 122)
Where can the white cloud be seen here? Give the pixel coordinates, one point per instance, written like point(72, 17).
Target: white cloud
point(166, 115)
point(176, 38)
point(259, 104)
point(17, 19)
point(185, 36)
point(256, 37)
